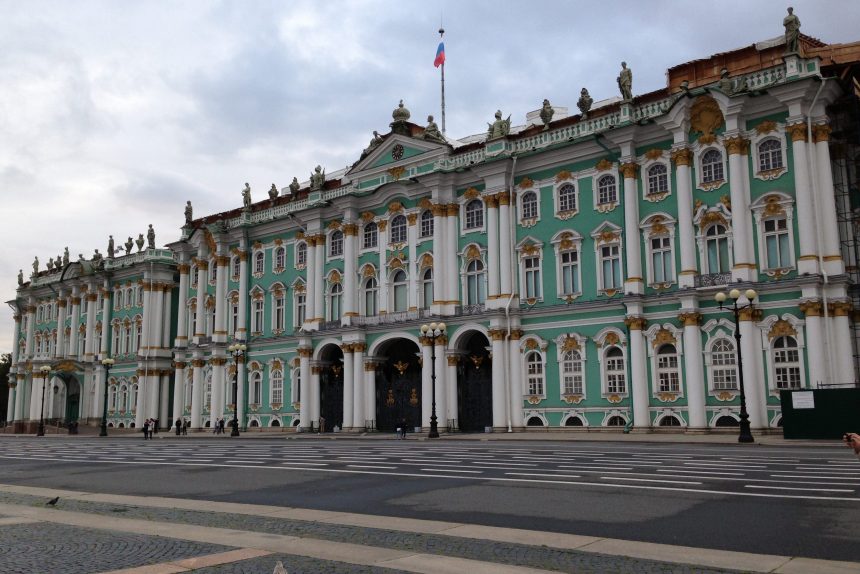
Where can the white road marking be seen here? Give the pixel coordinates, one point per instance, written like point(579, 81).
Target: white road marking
point(799, 488)
point(650, 480)
point(370, 466)
point(452, 470)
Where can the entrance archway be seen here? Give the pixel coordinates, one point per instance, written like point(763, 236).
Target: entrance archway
point(331, 387)
point(398, 386)
point(64, 394)
point(474, 384)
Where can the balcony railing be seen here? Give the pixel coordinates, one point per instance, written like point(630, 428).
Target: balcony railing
point(470, 309)
point(389, 318)
point(713, 280)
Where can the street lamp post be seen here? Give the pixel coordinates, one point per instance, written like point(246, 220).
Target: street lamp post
point(238, 352)
point(433, 331)
point(44, 370)
point(107, 363)
point(745, 434)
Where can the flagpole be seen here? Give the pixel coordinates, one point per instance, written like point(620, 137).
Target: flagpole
point(441, 34)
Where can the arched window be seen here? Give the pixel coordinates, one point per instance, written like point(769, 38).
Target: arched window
point(297, 385)
point(658, 179)
point(370, 236)
point(255, 388)
point(132, 407)
point(571, 373)
point(616, 376)
point(371, 291)
point(280, 258)
point(112, 396)
point(476, 290)
point(427, 288)
point(786, 360)
point(207, 395)
point(474, 214)
point(398, 229)
point(607, 191)
point(534, 422)
point(667, 369)
point(776, 240)
point(529, 205)
point(335, 246)
point(567, 197)
point(616, 421)
point(712, 166)
point(573, 422)
point(213, 272)
point(301, 253)
point(534, 373)
point(335, 295)
point(724, 365)
point(123, 398)
point(277, 386)
point(769, 155)
point(426, 229)
point(400, 290)
point(717, 248)
point(259, 262)
point(670, 421)
point(726, 421)
point(235, 268)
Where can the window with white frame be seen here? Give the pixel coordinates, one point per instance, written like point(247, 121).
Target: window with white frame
point(662, 269)
point(278, 310)
point(299, 302)
point(370, 235)
point(39, 314)
point(607, 190)
point(234, 315)
point(397, 230)
point(776, 240)
point(529, 205)
point(296, 384)
point(534, 373)
point(301, 253)
point(133, 398)
point(712, 166)
point(140, 296)
point(259, 262)
point(277, 387)
point(255, 388)
point(280, 259)
point(427, 288)
point(210, 317)
point(207, 400)
point(257, 315)
point(567, 198)
point(112, 395)
point(335, 295)
point(571, 373)
point(668, 379)
point(769, 155)
point(235, 268)
point(115, 331)
point(335, 244)
point(123, 398)
point(476, 290)
point(138, 333)
point(213, 272)
point(117, 299)
point(192, 318)
point(568, 262)
point(426, 228)
point(786, 362)
point(724, 372)
point(616, 375)
point(717, 249)
point(189, 387)
point(531, 276)
point(610, 266)
point(474, 214)
point(195, 279)
point(126, 345)
point(371, 292)
point(399, 291)
point(658, 179)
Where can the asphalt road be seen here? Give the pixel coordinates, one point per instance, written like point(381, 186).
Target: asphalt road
point(772, 500)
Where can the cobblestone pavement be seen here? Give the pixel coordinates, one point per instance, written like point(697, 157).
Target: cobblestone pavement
point(44, 547)
point(483, 550)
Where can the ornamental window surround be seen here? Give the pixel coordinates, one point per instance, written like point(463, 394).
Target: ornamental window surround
point(608, 257)
point(770, 155)
point(213, 272)
point(259, 263)
point(299, 304)
point(235, 268)
point(773, 215)
point(530, 256)
point(277, 387)
point(279, 315)
point(607, 190)
point(426, 224)
point(723, 364)
point(335, 244)
point(567, 201)
point(397, 229)
point(614, 371)
point(769, 145)
point(370, 236)
point(280, 259)
point(233, 301)
point(529, 207)
point(139, 291)
point(658, 233)
point(668, 377)
point(534, 367)
point(473, 219)
point(255, 388)
point(784, 347)
point(135, 389)
point(475, 283)
point(658, 179)
point(718, 249)
point(369, 301)
point(335, 298)
point(786, 363)
point(399, 291)
point(571, 373)
point(257, 311)
point(138, 332)
point(712, 167)
point(195, 278)
point(301, 254)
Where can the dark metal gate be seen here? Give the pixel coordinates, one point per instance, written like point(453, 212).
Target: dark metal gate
point(475, 393)
point(331, 396)
point(398, 396)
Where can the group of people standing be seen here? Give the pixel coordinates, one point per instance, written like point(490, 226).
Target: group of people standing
point(181, 427)
point(150, 426)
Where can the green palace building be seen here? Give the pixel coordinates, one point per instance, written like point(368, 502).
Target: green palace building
point(574, 260)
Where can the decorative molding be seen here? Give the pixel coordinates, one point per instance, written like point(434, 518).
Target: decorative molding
point(706, 117)
point(603, 165)
point(797, 132)
point(396, 172)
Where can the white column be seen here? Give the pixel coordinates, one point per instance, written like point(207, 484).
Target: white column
point(156, 299)
point(754, 383)
point(216, 405)
point(411, 266)
point(98, 395)
point(493, 249)
point(382, 266)
point(825, 201)
point(844, 352)
point(450, 366)
point(359, 398)
point(197, 390)
point(634, 282)
point(742, 234)
point(319, 309)
point(223, 263)
point(89, 343)
point(682, 157)
point(12, 398)
point(242, 324)
point(315, 394)
point(241, 384)
point(31, 329)
point(370, 391)
point(313, 289)
point(76, 318)
point(426, 381)
point(61, 330)
point(166, 297)
point(441, 385)
point(178, 390)
point(148, 311)
point(440, 288)
point(815, 351)
point(107, 333)
point(305, 387)
point(181, 308)
point(639, 373)
point(451, 257)
point(20, 392)
point(141, 412)
point(350, 275)
point(500, 395)
point(516, 374)
point(807, 262)
point(506, 244)
point(348, 386)
point(164, 421)
point(694, 372)
point(202, 282)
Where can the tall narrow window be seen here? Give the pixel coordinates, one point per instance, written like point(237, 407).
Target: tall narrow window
point(207, 401)
point(786, 360)
point(717, 247)
point(335, 248)
point(474, 214)
point(529, 205)
point(398, 229)
point(335, 295)
point(300, 309)
point(615, 373)
point(279, 315)
point(769, 155)
point(567, 197)
point(661, 259)
point(569, 262)
point(370, 236)
point(258, 316)
point(776, 242)
point(531, 268)
point(133, 399)
point(427, 289)
point(400, 290)
point(571, 373)
point(712, 166)
point(426, 223)
point(724, 365)
point(255, 388)
point(235, 268)
point(277, 387)
point(234, 317)
point(667, 369)
point(301, 253)
point(476, 291)
point(610, 261)
point(192, 319)
point(112, 396)
point(259, 262)
point(534, 373)
point(370, 297)
point(607, 191)
point(138, 331)
point(280, 258)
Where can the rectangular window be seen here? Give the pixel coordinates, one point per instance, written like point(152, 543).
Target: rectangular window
point(572, 377)
point(300, 309)
point(258, 317)
point(611, 266)
point(569, 272)
point(661, 259)
point(776, 242)
point(532, 277)
point(279, 314)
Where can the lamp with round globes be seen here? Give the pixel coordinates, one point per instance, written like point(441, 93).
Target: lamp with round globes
point(432, 332)
point(43, 370)
point(238, 351)
point(745, 435)
point(107, 363)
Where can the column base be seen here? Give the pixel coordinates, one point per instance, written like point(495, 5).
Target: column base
point(744, 274)
point(807, 266)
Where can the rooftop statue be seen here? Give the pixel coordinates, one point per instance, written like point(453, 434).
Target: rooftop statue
point(317, 178)
point(189, 213)
point(725, 84)
point(500, 127)
point(66, 257)
point(375, 141)
point(792, 32)
point(246, 196)
point(97, 258)
point(35, 266)
point(81, 258)
point(625, 82)
point(150, 237)
point(273, 192)
point(50, 264)
point(20, 276)
point(294, 185)
point(111, 248)
point(128, 245)
point(140, 241)
point(432, 133)
point(58, 261)
point(546, 113)
point(584, 103)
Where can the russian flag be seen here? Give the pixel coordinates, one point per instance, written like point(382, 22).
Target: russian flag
point(440, 55)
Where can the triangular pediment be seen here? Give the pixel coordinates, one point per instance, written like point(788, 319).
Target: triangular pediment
point(398, 150)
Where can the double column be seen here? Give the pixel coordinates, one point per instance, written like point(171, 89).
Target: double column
point(807, 262)
point(744, 268)
point(694, 371)
point(633, 283)
point(825, 202)
point(350, 279)
point(682, 157)
point(638, 371)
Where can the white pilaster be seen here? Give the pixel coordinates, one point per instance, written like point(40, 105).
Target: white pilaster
point(499, 395)
point(104, 350)
point(223, 263)
point(370, 391)
point(242, 324)
point(411, 266)
point(178, 390)
point(20, 393)
point(682, 158)
point(197, 390)
point(348, 386)
point(59, 349)
point(216, 407)
point(359, 398)
point(440, 287)
point(305, 388)
point(506, 245)
point(182, 307)
point(350, 275)
point(639, 373)
point(516, 382)
point(807, 262)
point(815, 351)
point(825, 202)
point(742, 235)
point(319, 263)
point(164, 421)
point(313, 290)
point(426, 381)
point(315, 394)
point(31, 329)
point(450, 366)
point(694, 372)
point(634, 282)
point(451, 257)
point(241, 385)
point(755, 386)
point(492, 250)
point(166, 297)
point(441, 385)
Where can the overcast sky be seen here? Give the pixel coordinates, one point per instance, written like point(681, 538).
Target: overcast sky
point(113, 114)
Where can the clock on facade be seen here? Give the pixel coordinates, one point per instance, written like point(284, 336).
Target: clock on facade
point(397, 151)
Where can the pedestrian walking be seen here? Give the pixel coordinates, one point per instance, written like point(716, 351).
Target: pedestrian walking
point(146, 429)
point(185, 428)
point(221, 423)
point(402, 428)
point(178, 427)
point(322, 425)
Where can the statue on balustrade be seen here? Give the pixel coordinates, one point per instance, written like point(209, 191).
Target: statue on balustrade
point(499, 128)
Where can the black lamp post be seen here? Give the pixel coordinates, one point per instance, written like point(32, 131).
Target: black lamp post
point(745, 434)
point(107, 363)
point(44, 370)
point(238, 352)
point(433, 331)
